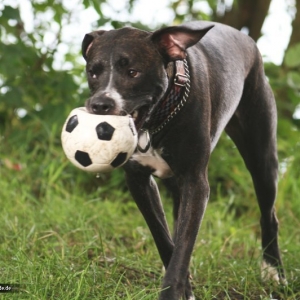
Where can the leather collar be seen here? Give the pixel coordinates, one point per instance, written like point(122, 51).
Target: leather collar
point(173, 100)
point(169, 105)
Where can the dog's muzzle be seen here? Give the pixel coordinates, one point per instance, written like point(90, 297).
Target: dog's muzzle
point(101, 105)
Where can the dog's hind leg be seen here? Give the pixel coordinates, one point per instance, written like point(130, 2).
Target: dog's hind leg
point(253, 130)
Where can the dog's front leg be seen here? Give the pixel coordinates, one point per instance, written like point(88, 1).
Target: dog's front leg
point(144, 191)
point(194, 193)
point(146, 195)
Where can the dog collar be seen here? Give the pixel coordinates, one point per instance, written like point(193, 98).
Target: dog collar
point(173, 101)
point(168, 107)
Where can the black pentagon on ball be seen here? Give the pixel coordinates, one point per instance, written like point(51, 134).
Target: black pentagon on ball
point(72, 123)
point(104, 131)
point(119, 160)
point(83, 158)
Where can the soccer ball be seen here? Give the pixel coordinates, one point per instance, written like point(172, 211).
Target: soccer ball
point(98, 143)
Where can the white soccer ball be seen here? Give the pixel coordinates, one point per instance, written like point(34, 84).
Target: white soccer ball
point(98, 143)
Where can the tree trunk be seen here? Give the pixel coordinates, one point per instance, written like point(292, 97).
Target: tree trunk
point(246, 13)
point(295, 36)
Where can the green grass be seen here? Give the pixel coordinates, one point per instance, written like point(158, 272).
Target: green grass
point(68, 235)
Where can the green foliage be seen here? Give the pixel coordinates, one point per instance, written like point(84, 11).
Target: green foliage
point(292, 62)
point(288, 98)
point(292, 57)
point(28, 80)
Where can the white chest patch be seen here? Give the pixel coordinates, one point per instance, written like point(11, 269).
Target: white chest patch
point(152, 159)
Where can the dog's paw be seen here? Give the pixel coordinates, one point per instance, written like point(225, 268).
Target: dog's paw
point(270, 273)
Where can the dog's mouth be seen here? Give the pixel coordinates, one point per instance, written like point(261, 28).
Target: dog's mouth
point(139, 116)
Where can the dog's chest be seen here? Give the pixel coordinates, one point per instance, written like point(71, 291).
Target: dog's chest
point(153, 159)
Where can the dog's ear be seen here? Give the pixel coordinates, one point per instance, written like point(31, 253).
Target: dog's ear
point(172, 42)
point(88, 42)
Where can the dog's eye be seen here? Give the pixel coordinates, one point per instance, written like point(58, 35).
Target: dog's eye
point(95, 70)
point(133, 73)
point(92, 74)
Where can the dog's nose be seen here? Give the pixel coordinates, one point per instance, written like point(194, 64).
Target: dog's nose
point(102, 105)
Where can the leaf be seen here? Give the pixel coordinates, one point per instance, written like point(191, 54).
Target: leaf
point(293, 79)
point(97, 6)
point(86, 3)
point(292, 57)
point(11, 13)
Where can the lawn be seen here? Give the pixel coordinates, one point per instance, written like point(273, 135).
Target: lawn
point(69, 235)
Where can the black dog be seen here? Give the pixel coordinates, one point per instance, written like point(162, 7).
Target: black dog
point(183, 86)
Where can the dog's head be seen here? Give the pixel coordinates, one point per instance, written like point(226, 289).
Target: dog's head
point(126, 68)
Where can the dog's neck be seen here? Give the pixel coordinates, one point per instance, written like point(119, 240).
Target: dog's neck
point(173, 100)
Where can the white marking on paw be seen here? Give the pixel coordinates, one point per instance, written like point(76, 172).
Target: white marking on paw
point(270, 273)
point(192, 298)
